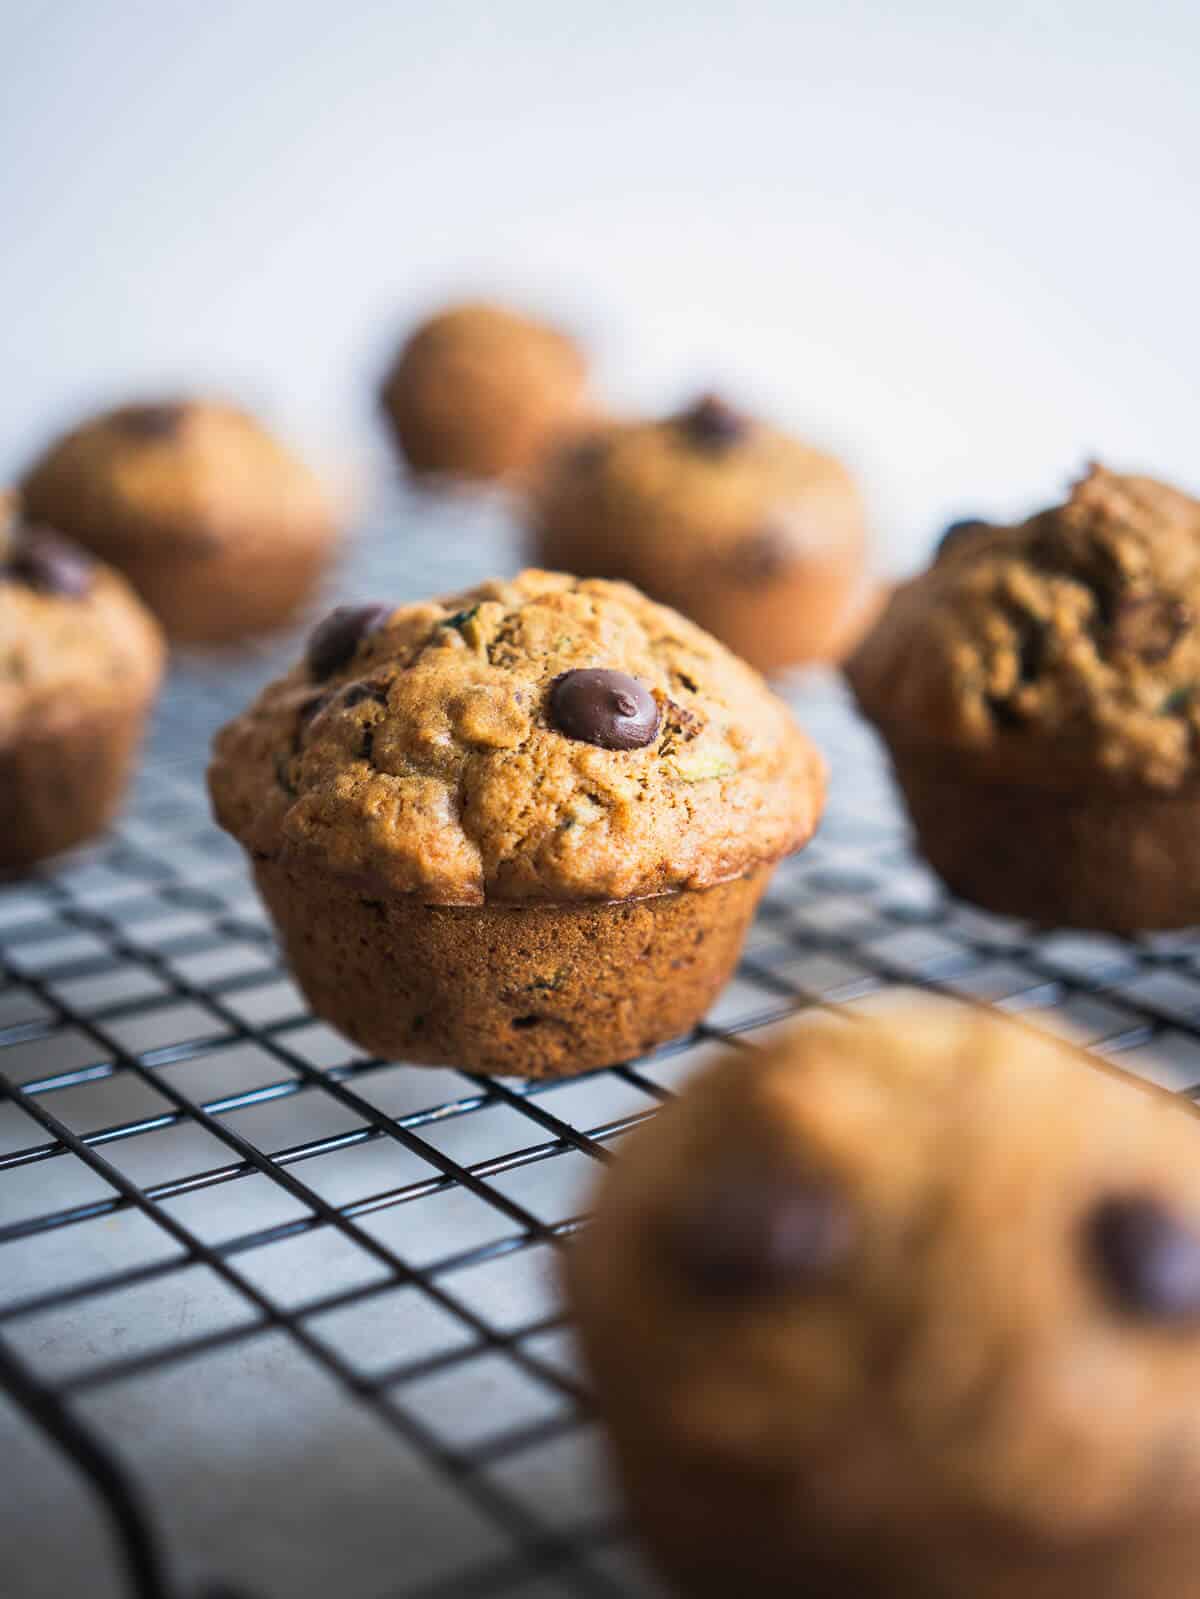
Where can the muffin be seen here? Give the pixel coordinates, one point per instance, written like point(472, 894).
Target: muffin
point(80, 663)
point(478, 391)
point(755, 536)
point(221, 530)
point(905, 1309)
point(1039, 691)
point(520, 830)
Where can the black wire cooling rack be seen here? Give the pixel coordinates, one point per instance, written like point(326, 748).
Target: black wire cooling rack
point(278, 1320)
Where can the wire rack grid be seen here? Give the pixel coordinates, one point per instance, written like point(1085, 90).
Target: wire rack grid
point(279, 1320)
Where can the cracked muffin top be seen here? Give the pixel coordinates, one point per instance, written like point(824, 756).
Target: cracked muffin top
point(1066, 644)
point(182, 476)
point(540, 739)
point(711, 486)
point(74, 640)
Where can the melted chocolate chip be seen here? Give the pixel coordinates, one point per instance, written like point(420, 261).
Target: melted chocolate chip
point(752, 1231)
point(583, 454)
point(1149, 625)
point(713, 424)
point(153, 421)
point(334, 641)
point(610, 709)
point(958, 534)
point(1150, 1260)
point(52, 565)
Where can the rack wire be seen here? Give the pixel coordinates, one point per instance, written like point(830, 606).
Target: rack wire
point(277, 1319)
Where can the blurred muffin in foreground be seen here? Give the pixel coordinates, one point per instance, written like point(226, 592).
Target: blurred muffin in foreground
point(80, 664)
point(1039, 692)
point(221, 529)
point(480, 392)
point(755, 536)
point(906, 1308)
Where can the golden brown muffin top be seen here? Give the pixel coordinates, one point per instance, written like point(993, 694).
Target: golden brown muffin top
point(710, 488)
point(922, 1266)
point(74, 639)
point(1063, 646)
point(176, 477)
point(463, 749)
point(477, 390)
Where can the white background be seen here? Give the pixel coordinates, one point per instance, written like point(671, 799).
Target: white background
point(958, 241)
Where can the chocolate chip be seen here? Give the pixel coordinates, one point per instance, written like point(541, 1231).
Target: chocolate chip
point(1149, 1259)
point(1004, 713)
point(333, 642)
point(610, 709)
point(583, 454)
point(758, 557)
point(1031, 649)
point(749, 1230)
point(52, 565)
point(959, 533)
point(152, 421)
point(713, 424)
point(1180, 700)
point(1149, 625)
point(460, 619)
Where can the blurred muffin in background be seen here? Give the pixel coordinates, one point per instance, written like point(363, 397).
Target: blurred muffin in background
point(221, 529)
point(1038, 690)
point(80, 664)
point(757, 537)
point(480, 392)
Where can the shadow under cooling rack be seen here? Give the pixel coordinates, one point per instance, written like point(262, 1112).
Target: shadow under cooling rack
point(281, 1320)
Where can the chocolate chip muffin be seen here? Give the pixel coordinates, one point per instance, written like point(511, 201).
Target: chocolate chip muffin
point(80, 663)
point(755, 536)
point(906, 1309)
point(221, 530)
point(519, 830)
point(1039, 691)
point(478, 391)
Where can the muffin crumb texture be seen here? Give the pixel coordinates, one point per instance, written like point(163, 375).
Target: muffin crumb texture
point(422, 751)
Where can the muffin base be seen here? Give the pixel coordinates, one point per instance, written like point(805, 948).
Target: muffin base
point(59, 789)
point(1109, 861)
point(712, 1533)
point(533, 990)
